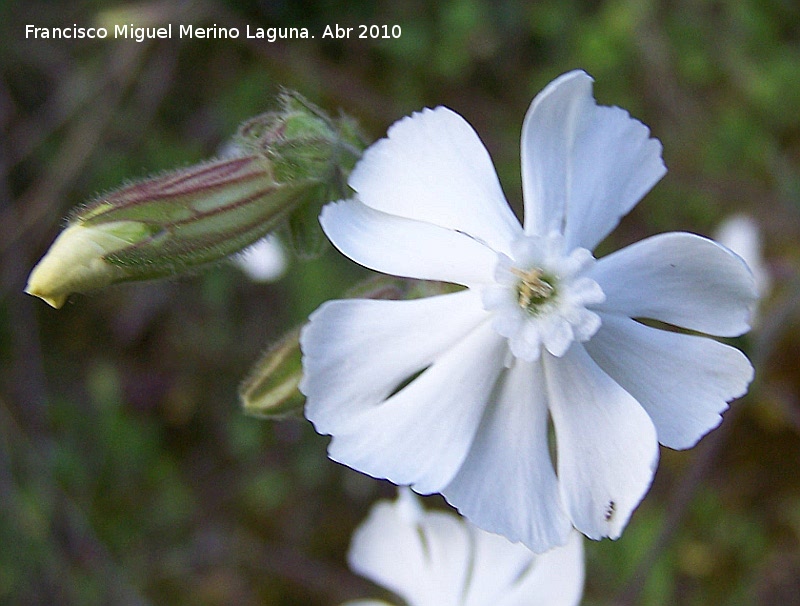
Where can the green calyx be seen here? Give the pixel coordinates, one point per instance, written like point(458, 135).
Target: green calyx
point(302, 143)
point(288, 163)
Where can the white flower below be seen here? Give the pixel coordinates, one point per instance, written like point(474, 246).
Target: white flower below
point(457, 393)
point(433, 558)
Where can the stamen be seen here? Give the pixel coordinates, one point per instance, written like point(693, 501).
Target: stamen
point(534, 288)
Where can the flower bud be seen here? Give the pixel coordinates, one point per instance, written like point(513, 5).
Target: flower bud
point(286, 165)
point(162, 226)
point(270, 390)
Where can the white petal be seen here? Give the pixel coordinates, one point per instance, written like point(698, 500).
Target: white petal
point(421, 435)
point(496, 567)
point(423, 560)
point(356, 352)
point(507, 484)
point(404, 247)
point(556, 334)
point(367, 603)
point(448, 553)
point(606, 444)
point(679, 278)
point(525, 336)
point(555, 579)
point(434, 168)
point(584, 166)
point(683, 382)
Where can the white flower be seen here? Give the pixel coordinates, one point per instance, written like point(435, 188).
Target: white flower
point(264, 261)
point(433, 558)
point(455, 393)
point(740, 233)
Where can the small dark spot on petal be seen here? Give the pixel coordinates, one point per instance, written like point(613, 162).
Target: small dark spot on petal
point(610, 508)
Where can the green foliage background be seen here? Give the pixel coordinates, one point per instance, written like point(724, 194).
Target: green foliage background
point(128, 474)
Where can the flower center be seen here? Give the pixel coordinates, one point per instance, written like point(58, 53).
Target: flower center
point(543, 297)
point(534, 288)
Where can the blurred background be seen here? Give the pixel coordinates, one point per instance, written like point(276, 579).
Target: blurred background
point(128, 472)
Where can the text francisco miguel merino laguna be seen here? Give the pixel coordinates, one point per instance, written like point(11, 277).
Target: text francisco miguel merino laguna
point(166, 31)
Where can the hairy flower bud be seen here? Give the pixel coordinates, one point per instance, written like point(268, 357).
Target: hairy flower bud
point(162, 226)
point(285, 165)
point(270, 390)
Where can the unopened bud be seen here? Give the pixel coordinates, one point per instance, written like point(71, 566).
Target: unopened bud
point(286, 166)
point(162, 226)
point(271, 389)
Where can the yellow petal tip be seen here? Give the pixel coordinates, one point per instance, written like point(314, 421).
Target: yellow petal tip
point(56, 302)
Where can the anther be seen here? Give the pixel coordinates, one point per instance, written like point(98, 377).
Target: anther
point(533, 287)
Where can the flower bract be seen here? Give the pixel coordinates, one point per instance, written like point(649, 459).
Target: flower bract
point(535, 397)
